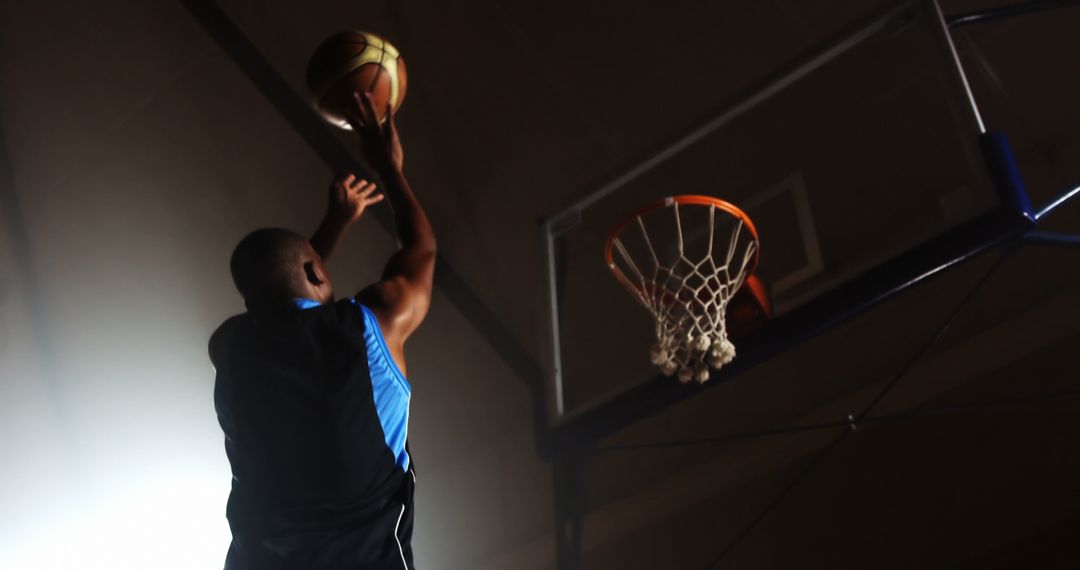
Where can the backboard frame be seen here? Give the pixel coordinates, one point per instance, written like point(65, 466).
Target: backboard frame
point(1011, 219)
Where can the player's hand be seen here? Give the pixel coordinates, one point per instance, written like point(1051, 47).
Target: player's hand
point(380, 143)
point(349, 197)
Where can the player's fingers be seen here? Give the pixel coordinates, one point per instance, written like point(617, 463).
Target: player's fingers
point(356, 112)
point(368, 188)
point(369, 103)
point(355, 122)
point(388, 128)
point(363, 108)
point(349, 180)
point(373, 199)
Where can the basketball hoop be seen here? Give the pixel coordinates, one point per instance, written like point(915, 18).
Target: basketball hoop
point(687, 296)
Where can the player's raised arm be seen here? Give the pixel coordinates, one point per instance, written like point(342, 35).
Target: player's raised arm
point(402, 297)
point(349, 198)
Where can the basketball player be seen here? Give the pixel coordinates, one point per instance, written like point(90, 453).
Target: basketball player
point(311, 392)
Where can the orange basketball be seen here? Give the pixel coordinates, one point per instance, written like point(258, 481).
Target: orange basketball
point(355, 62)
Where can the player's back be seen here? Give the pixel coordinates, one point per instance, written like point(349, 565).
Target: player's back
point(315, 418)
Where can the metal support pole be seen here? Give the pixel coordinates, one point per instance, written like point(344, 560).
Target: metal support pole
point(1052, 238)
point(1007, 12)
point(1056, 202)
point(569, 471)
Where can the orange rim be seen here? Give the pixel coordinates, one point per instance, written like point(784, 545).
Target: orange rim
point(761, 295)
point(686, 199)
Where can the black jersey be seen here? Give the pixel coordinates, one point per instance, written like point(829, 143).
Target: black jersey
point(315, 416)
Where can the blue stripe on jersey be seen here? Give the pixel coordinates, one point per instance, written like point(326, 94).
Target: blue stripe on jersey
point(389, 387)
point(302, 303)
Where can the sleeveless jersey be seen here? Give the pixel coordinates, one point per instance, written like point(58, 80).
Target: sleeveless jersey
point(315, 415)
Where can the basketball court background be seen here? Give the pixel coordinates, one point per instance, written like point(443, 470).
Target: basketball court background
point(123, 197)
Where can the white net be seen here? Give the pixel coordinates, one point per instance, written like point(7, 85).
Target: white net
point(688, 296)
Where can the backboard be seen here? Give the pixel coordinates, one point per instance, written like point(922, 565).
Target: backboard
point(848, 160)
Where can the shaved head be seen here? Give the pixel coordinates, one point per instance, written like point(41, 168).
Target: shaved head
point(272, 266)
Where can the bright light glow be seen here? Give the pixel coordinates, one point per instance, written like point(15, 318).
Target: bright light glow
point(167, 524)
point(120, 466)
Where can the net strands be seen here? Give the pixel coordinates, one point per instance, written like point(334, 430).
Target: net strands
point(688, 296)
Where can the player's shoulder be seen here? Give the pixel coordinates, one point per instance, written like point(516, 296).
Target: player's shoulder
point(220, 338)
point(382, 293)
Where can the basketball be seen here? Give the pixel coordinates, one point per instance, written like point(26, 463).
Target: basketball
point(355, 62)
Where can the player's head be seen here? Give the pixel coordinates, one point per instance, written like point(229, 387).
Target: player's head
point(273, 266)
